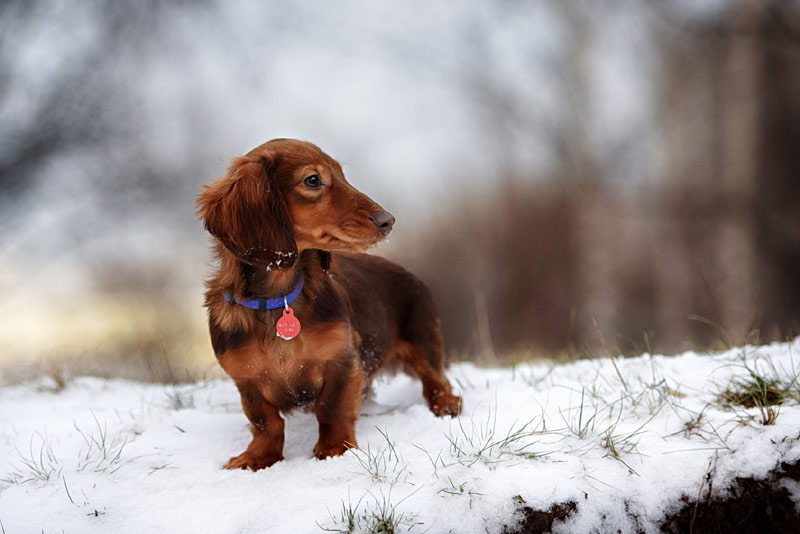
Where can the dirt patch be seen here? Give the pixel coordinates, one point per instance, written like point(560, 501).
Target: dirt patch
point(533, 521)
point(750, 506)
point(758, 506)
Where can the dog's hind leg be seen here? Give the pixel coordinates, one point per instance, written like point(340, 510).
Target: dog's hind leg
point(422, 353)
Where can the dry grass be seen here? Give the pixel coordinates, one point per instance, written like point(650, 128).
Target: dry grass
point(766, 390)
point(158, 360)
point(755, 391)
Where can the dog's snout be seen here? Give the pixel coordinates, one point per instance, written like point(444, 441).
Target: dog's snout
point(384, 221)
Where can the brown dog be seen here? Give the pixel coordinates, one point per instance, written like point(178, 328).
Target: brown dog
point(276, 216)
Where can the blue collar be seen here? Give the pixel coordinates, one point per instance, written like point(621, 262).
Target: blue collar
point(262, 304)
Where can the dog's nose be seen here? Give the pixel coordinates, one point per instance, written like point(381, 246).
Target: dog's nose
point(384, 221)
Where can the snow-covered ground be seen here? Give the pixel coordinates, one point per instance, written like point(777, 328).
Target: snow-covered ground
point(624, 439)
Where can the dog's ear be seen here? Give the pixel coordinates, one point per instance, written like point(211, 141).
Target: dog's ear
point(246, 211)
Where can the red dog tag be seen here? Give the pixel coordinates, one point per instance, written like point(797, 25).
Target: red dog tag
point(288, 326)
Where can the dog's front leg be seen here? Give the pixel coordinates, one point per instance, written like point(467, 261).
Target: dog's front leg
point(337, 407)
point(267, 429)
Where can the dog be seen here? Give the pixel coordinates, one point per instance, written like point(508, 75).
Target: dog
point(298, 314)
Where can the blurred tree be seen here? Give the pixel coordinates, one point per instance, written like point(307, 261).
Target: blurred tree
point(732, 127)
point(778, 193)
point(703, 256)
point(83, 103)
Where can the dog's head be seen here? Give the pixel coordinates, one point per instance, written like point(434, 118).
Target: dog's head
point(286, 196)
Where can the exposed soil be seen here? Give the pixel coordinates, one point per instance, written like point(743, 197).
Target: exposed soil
point(751, 506)
point(537, 521)
point(758, 506)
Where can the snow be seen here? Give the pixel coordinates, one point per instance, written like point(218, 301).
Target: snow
point(118, 456)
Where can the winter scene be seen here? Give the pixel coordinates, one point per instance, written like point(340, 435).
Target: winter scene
point(486, 266)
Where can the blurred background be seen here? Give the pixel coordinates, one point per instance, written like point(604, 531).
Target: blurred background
point(569, 177)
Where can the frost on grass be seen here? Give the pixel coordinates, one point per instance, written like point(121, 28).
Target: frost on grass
point(382, 462)
point(182, 397)
point(102, 451)
point(480, 440)
point(628, 441)
point(37, 462)
point(371, 514)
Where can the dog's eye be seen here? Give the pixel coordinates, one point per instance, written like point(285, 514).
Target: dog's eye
point(313, 181)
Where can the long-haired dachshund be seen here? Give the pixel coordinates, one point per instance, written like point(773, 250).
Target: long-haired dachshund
point(292, 323)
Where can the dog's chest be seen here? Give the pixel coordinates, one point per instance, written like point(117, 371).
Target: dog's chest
point(285, 374)
point(290, 373)
point(291, 379)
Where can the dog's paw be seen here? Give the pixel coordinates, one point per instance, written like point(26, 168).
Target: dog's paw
point(446, 405)
point(246, 461)
point(326, 450)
